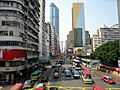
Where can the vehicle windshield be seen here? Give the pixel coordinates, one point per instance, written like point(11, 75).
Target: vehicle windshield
point(87, 77)
point(109, 78)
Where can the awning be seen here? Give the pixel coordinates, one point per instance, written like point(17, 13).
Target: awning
point(46, 58)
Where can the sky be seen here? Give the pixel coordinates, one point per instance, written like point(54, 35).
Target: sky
point(97, 14)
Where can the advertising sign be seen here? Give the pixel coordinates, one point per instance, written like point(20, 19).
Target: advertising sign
point(70, 50)
point(119, 63)
point(13, 55)
point(1, 54)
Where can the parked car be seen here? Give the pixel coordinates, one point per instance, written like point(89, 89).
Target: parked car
point(76, 74)
point(108, 79)
point(28, 84)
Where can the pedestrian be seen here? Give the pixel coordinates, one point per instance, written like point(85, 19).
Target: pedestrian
point(44, 86)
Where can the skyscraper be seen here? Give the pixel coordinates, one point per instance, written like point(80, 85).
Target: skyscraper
point(54, 17)
point(78, 24)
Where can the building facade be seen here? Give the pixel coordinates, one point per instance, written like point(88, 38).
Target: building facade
point(53, 41)
point(69, 44)
point(106, 34)
point(96, 41)
point(54, 17)
point(54, 20)
point(48, 39)
point(70, 40)
point(87, 36)
point(78, 24)
point(42, 32)
point(19, 27)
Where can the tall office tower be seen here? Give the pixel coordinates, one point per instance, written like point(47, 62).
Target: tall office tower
point(19, 27)
point(78, 24)
point(54, 17)
point(54, 20)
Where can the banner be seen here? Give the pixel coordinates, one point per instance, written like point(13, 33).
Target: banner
point(13, 55)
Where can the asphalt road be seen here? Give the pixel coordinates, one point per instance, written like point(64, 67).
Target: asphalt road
point(70, 81)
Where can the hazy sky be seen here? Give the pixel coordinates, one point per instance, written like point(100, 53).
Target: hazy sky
point(97, 14)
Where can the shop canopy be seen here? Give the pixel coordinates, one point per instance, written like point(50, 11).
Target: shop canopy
point(46, 58)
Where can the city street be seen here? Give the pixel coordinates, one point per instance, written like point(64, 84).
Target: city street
point(70, 81)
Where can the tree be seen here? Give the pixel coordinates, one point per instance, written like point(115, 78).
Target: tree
point(108, 53)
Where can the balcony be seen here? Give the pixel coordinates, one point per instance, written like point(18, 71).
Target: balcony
point(8, 69)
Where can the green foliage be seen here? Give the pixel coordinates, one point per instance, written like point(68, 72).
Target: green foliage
point(108, 53)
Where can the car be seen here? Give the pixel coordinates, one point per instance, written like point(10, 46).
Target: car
point(108, 79)
point(56, 75)
point(66, 69)
point(28, 84)
point(76, 74)
point(98, 87)
point(44, 79)
point(40, 86)
point(68, 73)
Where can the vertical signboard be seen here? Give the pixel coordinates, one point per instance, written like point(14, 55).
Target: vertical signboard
point(1, 54)
point(119, 63)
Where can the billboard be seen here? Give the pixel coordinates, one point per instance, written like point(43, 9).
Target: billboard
point(70, 50)
point(13, 55)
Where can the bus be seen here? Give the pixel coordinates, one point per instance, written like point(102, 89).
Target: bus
point(36, 74)
point(17, 86)
point(86, 76)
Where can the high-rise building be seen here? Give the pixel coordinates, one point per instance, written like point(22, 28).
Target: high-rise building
point(69, 44)
point(105, 34)
point(54, 20)
point(87, 36)
point(42, 32)
point(70, 40)
point(78, 24)
point(19, 40)
point(54, 17)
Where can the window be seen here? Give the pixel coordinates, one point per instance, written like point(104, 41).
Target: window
point(11, 33)
point(3, 33)
point(14, 4)
point(19, 6)
point(11, 23)
point(6, 4)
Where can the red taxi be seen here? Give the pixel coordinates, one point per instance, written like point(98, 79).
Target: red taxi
point(40, 86)
point(108, 79)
